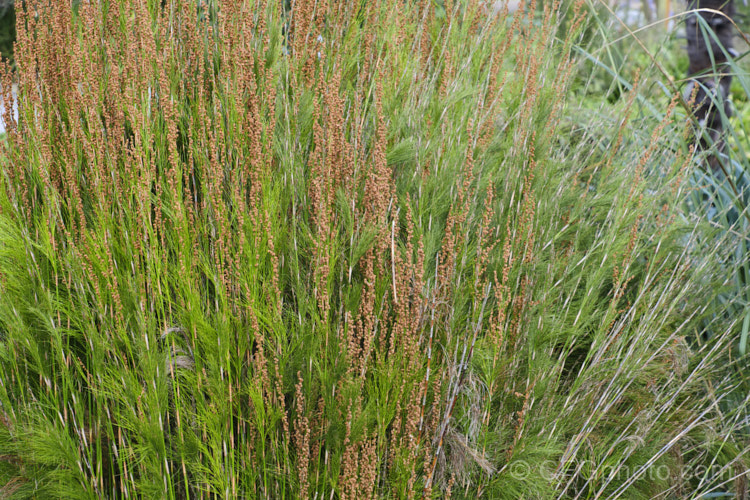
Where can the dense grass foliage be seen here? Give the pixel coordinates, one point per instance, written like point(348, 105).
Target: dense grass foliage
point(7, 31)
point(350, 250)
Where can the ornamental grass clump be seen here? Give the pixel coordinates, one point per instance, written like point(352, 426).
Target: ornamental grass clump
point(346, 250)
